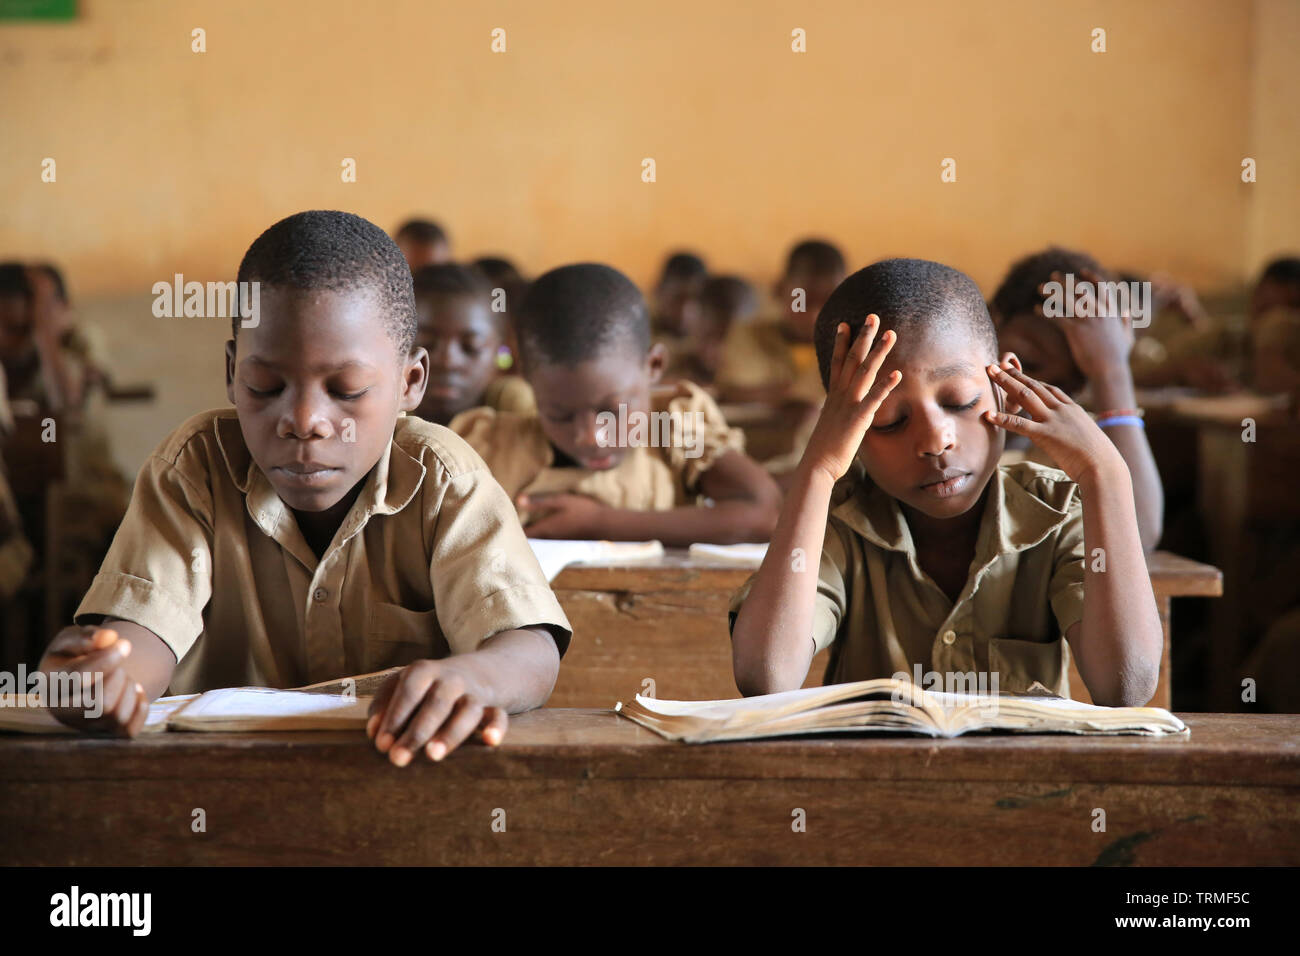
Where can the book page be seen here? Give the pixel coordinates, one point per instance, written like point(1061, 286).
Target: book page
point(28, 716)
point(263, 708)
point(554, 555)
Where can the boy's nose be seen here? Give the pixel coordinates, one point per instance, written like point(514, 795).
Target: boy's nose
point(304, 418)
point(936, 435)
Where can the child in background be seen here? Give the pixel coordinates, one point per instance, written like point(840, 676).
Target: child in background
point(54, 367)
point(933, 555)
point(423, 242)
point(676, 299)
point(724, 301)
point(314, 531)
point(774, 361)
point(603, 458)
point(502, 274)
point(16, 552)
point(1077, 352)
point(465, 340)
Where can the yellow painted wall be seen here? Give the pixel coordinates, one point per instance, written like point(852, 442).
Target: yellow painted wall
point(173, 161)
point(170, 161)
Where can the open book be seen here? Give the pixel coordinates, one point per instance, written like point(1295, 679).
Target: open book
point(891, 706)
point(555, 554)
point(333, 705)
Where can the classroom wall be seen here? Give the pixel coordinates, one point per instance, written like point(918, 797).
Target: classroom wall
point(171, 161)
point(1274, 223)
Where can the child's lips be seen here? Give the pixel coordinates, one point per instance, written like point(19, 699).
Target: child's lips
point(947, 487)
point(306, 474)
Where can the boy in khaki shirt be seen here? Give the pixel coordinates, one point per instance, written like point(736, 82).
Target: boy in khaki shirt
point(315, 531)
point(933, 556)
point(605, 456)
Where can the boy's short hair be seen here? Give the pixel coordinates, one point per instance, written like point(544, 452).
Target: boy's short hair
point(905, 294)
point(575, 313)
point(815, 257)
point(423, 231)
point(334, 251)
point(498, 270)
point(449, 278)
point(1018, 293)
point(684, 266)
point(13, 280)
point(730, 296)
point(1284, 270)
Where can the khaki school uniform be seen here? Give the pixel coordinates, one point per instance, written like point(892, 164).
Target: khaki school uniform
point(521, 458)
point(881, 614)
point(510, 393)
point(430, 561)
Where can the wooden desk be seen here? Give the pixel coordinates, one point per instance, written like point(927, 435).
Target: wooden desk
point(666, 621)
point(585, 787)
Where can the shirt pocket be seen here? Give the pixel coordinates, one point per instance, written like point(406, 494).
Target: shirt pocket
point(1020, 664)
point(396, 636)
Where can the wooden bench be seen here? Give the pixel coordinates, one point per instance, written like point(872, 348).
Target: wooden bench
point(666, 621)
point(588, 787)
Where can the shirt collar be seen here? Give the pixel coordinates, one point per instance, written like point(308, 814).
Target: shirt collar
point(389, 487)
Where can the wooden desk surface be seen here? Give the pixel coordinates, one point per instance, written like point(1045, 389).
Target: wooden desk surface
point(665, 620)
point(589, 787)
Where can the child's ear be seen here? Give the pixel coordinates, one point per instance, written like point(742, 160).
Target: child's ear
point(1007, 360)
point(656, 361)
point(230, 371)
point(415, 379)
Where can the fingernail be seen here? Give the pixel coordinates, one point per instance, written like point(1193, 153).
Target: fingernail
point(437, 750)
point(372, 725)
point(124, 647)
point(492, 736)
point(384, 742)
point(400, 756)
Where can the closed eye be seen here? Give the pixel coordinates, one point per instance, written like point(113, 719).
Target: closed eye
point(967, 407)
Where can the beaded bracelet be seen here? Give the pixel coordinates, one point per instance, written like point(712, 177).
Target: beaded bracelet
point(1114, 412)
point(1120, 420)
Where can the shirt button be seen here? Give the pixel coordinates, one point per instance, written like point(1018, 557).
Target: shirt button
point(320, 594)
point(949, 636)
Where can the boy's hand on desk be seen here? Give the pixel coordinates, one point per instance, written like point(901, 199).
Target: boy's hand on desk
point(95, 652)
point(562, 516)
point(853, 398)
point(434, 706)
point(1058, 426)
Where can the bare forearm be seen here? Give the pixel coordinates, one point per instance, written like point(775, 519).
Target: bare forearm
point(772, 641)
point(1121, 639)
point(516, 669)
point(150, 663)
point(1116, 392)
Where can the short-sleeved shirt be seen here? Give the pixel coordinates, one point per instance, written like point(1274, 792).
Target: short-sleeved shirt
point(760, 354)
point(881, 614)
point(650, 477)
point(430, 561)
point(510, 393)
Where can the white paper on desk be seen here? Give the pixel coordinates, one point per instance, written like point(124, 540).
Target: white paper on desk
point(33, 718)
point(264, 708)
point(746, 555)
point(555, 554)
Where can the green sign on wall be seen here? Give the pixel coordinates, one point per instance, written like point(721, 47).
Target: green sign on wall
point(38, 9)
